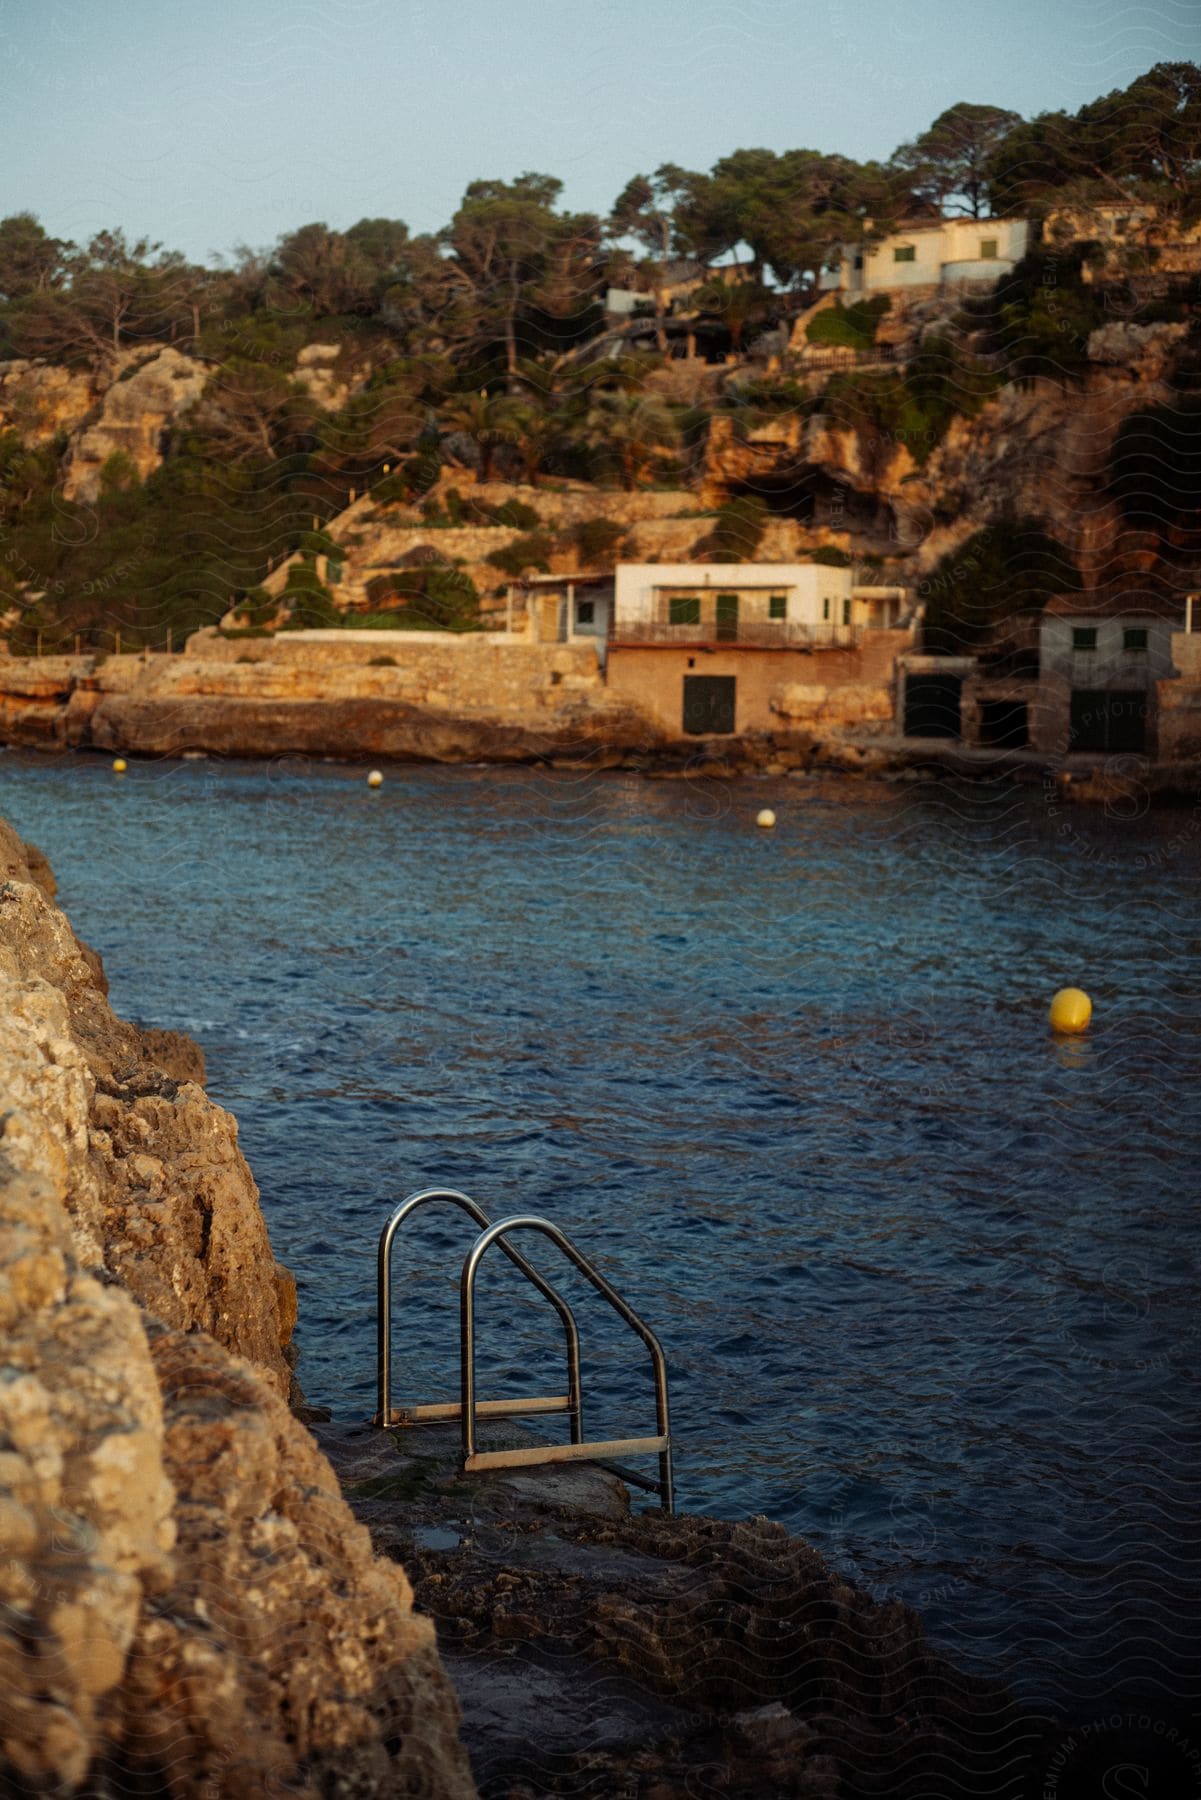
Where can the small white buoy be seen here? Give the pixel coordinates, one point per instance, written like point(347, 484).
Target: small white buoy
point(375, 779)
point(119, 765)
point(766, 819)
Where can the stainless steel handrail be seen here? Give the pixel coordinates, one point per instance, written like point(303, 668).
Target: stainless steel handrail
point(576, 1450)
point(570, 1403)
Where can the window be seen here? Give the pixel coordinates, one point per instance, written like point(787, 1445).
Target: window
point(333, 571)
point(905, 253)
point(826, 607)
point(1084, 637)
point(684, 609)
point(859, 262)
point(777, 606)
point(585, 612)
point(846, 612)
point(1134, 637)
point(988, 249)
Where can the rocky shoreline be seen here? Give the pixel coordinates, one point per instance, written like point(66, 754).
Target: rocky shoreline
point(553, 714)
point(203, 1598)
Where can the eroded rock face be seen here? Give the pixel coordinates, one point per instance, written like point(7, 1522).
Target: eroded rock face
point(40, 399)
point(138, 408)
point(187, 1607)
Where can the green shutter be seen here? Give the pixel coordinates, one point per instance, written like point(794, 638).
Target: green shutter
point(684, 609)
point(727, 617)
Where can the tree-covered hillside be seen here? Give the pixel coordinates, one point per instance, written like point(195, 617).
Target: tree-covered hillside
point(488, 342)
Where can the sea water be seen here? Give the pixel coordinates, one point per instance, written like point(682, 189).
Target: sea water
point(925, 1275)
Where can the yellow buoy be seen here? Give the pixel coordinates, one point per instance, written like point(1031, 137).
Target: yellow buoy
point(1070, 1011)
point(375, 779)
point(766, 819)
point(119, 765)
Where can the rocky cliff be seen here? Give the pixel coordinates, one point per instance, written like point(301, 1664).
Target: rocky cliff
point(126, 408)
point(187, 1607)
point(1038, 450)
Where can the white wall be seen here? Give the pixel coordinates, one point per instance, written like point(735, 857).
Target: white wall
point(1109, 665)
point(946, 252)
point(642, 589)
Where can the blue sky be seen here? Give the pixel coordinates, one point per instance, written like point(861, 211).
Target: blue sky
point(204, 126)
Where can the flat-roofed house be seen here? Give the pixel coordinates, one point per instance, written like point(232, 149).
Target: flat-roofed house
point(714, 649)
point(1100, 657)
point(925, 253)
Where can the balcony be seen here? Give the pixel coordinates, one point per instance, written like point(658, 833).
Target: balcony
point(740, 634)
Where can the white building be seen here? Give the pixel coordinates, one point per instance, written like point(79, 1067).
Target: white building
point(765, 603)
point(1100, 657)
point(928, 254)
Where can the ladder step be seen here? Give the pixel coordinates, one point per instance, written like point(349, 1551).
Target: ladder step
point(484, 1409)
point(553, 1453)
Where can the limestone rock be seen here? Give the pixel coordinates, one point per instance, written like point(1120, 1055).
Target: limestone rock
point(1144, 350)
point(38, 400)
point(148, 397)
point(187, 1607)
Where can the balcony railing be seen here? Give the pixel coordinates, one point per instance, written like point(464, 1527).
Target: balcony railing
point(760, 634)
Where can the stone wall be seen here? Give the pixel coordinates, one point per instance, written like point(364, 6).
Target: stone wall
point(825, 690)
point(187, 1607)
point(1179, 720)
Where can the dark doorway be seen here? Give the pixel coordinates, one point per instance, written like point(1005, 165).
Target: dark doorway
point(727, 618)
point(708, 704)
point(1005, 724)
point(932, 705)
point(1104, 720)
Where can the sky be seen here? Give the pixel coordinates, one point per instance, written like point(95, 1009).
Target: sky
point(229, 122)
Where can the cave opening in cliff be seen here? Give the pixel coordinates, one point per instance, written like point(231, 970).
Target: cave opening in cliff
point(811, 497)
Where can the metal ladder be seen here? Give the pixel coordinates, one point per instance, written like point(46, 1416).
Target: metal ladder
point(468, 1408)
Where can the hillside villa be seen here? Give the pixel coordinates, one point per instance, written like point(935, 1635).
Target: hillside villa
point(927, 253)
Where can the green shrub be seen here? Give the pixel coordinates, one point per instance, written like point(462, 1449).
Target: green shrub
point(382, 662)
point(913, 406)
point(318, 543)
point(118, 474)
point(416, 476)
point(533, 551)
point(1008, 568)
point(433, 598)
point(853, 327)
point(391, 491)
point(517, 513)
point(310, 604)
point(830, 556)
point(1039, 316)
point(597, 540)
point(766, 396)
point(737, 530)
point(256, 606)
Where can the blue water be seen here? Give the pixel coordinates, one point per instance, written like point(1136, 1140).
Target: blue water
point(927, 1278)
